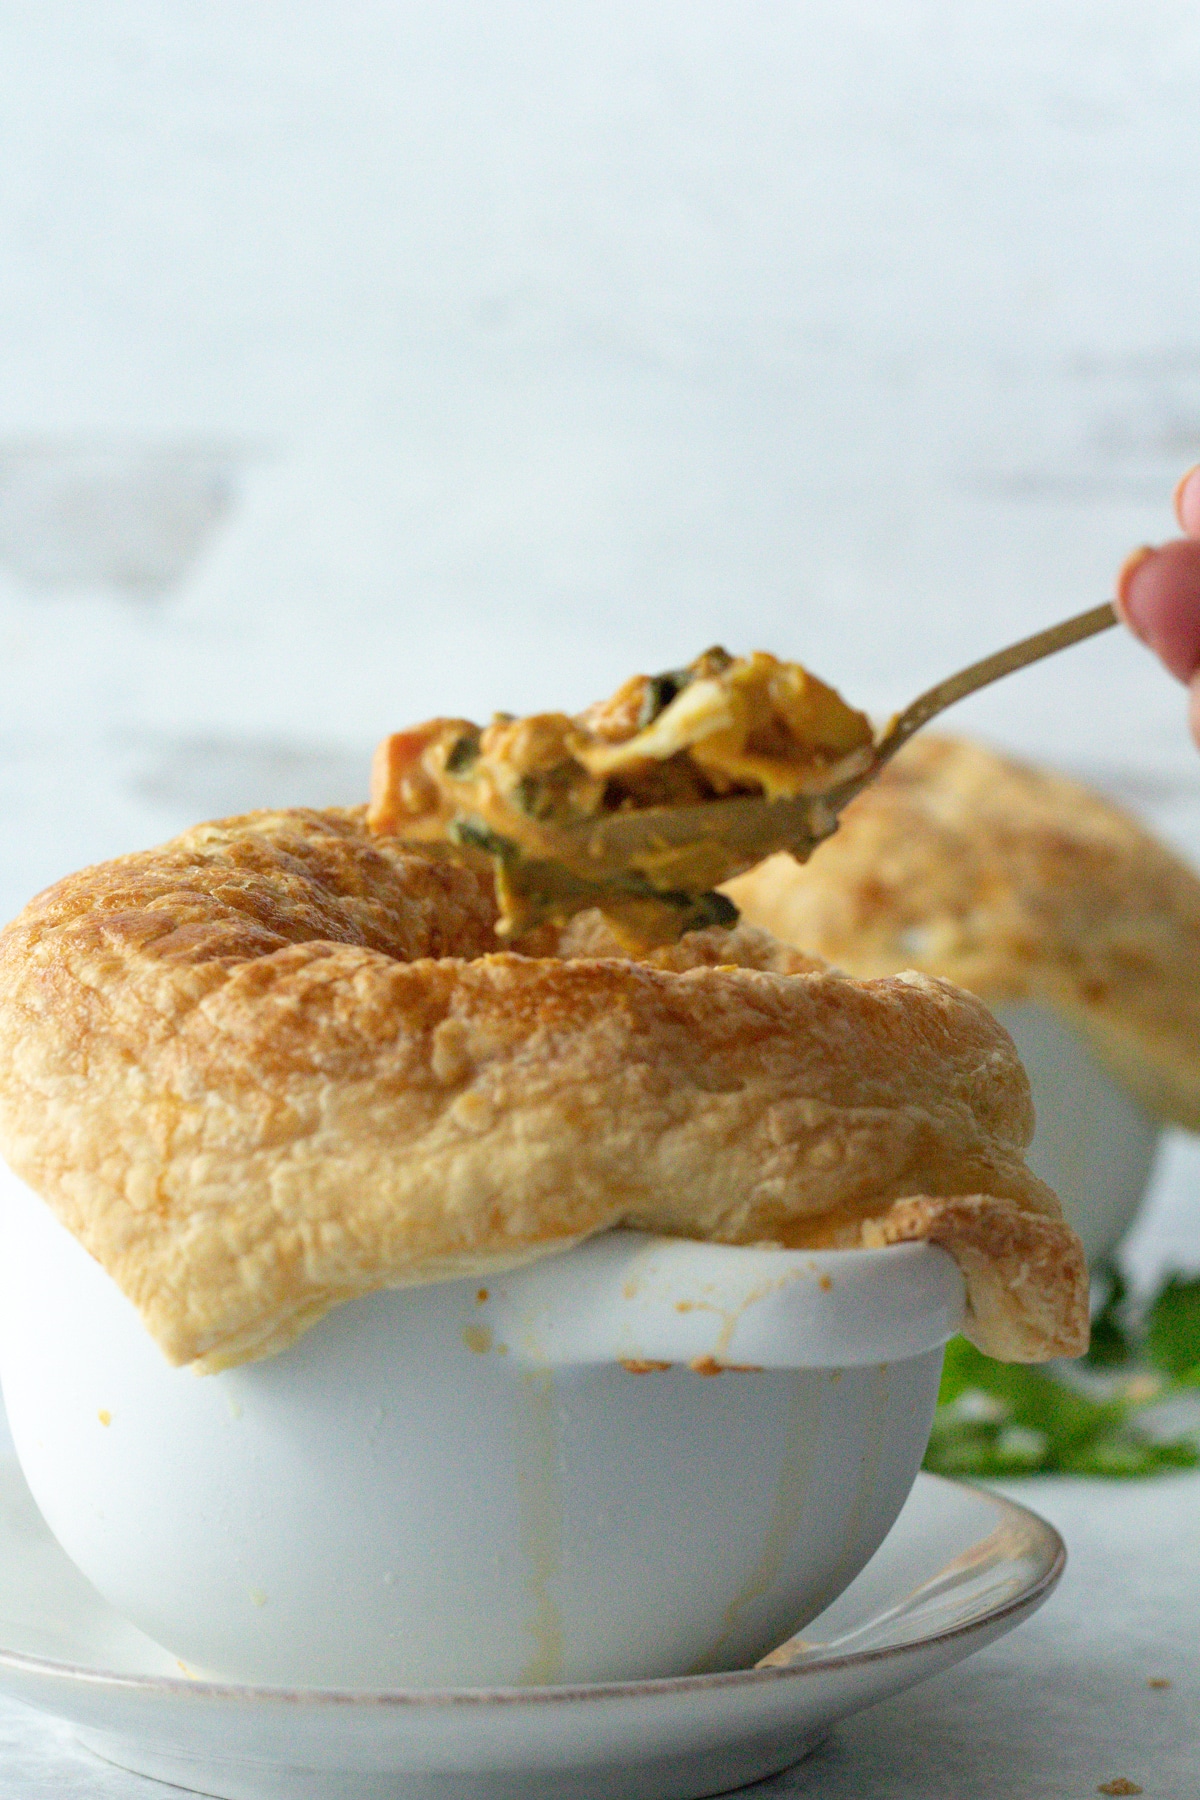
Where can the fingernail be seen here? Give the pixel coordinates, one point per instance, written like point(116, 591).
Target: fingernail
point(1194, 708)
point(1177, 499)
point(1126, 603)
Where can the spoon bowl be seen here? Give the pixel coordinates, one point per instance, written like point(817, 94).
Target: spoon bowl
point(686, 849)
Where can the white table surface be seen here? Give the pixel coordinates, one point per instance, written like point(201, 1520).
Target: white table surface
point(366, 362)
point(1048, 1713)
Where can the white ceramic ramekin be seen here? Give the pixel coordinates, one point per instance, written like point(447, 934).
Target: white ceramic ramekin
point(475, 1484)
point(1095, 1144)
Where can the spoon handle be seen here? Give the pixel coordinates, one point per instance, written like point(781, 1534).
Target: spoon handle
point(991, 668)
point(751, 827)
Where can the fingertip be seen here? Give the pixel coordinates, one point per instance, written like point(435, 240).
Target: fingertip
point(1186, 500)
point(1125, 584)
point(1159, 599)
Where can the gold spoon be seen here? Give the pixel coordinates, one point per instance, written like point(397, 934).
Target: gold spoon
point(687, 849)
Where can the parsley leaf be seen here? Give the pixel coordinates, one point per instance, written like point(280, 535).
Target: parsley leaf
point(1113, 1341)
point(998, 1419)
point(1173, 1328)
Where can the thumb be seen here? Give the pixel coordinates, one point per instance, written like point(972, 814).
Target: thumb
point(1158, 596)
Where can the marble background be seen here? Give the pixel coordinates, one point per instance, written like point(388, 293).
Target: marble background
point(413, 356)
point(371, 361)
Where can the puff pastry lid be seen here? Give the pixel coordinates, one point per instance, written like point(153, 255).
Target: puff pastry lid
point(279, 1062)
point(1018, 884)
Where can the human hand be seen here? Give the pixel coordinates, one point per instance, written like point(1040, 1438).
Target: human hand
point(1158, 596)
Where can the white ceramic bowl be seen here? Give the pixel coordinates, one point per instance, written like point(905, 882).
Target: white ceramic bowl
point(1095, 1144)
point(474, 1484)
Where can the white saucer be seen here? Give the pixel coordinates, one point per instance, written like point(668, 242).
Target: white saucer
point(959, 1568)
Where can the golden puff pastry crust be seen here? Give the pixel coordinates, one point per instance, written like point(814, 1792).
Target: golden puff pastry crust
point(279, 1062)
point(1015, 883)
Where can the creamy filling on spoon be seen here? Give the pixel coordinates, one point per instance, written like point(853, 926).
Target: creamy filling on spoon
point(528, 793)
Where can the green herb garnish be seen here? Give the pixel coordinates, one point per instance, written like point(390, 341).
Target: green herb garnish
point(998, 1420)
point(1173, 1330)
point(463, 754)
point(548, 793)
point(660, 691)
point(1114, 1339)
point(475, 835)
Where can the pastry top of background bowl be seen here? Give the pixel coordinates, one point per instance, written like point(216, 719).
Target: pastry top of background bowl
point(1020, 885)
point(283, 1061)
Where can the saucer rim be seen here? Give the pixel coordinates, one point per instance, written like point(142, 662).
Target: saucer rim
point(1043, 1535)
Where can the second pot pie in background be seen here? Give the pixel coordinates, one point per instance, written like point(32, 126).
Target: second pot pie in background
point(1068, 918)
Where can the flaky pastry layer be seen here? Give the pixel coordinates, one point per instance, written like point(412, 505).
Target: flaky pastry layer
point(279, 1062)
point(1019, 885)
